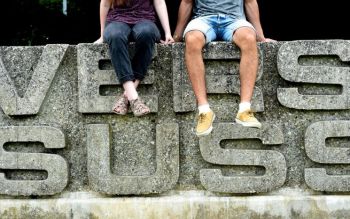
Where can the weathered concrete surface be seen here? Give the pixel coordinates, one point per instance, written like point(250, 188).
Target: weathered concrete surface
point(57, 178)
point(42, 76)
point(299, 152)
point(291, 70)
point(186, 205)
point(273, 161)
point(167, 163)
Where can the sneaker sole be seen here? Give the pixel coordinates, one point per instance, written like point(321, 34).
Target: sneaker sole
point(119, 113)
point(142, 114)
point(249, 124)
point(207, 132)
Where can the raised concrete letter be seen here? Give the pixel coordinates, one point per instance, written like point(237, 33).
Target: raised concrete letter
point(273, 161)
point(316, 149)
point(55, 165)
point(91, 77)
point(44, 73)
point(99, 165)
point(291, 70)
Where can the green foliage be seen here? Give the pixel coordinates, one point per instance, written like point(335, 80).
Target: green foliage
point(51, 4)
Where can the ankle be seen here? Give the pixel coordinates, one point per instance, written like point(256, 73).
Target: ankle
point(132, 96)
point(244, 106)
point(130, 90)
point(204, 108)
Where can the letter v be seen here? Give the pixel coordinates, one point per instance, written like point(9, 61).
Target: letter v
point(43, 75)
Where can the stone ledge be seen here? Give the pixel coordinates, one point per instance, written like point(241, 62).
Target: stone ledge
point(190, 204)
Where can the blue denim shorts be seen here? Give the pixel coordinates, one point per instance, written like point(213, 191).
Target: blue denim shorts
point(217, 27)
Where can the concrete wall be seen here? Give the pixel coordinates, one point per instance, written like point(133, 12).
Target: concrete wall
point(58, 134)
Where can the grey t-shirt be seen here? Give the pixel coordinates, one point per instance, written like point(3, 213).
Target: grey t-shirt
point(233, 8)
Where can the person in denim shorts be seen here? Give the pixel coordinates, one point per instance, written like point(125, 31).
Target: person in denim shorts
point(223, 20)
point(132, 20)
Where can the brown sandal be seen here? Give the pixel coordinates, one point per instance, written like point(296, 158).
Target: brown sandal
point(138, 107)
point(121, 105)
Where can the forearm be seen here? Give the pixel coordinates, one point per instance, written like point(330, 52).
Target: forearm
point(104, 8)
point(184, 15)
point(162, 13)
point(253, 16)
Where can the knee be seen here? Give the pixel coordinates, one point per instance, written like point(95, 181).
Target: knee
point(115, 35)
point(247, 41)
point(146, 34)
point(194, 41)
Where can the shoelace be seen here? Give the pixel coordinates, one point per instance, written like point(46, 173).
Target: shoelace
point(250, 113)
point(202, 118)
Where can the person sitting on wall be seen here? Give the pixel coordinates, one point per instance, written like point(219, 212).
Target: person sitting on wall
point(221, 20)
point(124, 20)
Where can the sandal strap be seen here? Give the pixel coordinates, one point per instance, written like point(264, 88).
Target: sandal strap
point(121, 105)
point(138, 107)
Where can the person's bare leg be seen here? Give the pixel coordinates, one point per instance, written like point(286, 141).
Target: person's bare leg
point(195, 42)
point(130, 90)
point(136, 84)
point(245, 39)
